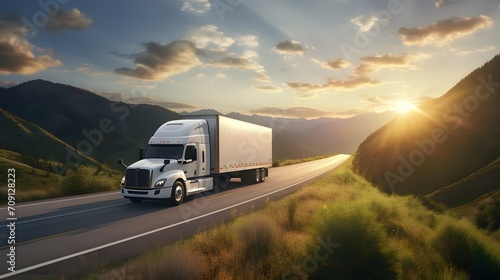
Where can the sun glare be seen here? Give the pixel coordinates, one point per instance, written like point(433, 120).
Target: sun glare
point(404, 106)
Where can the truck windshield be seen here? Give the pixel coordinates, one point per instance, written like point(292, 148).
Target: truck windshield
point(165, 151)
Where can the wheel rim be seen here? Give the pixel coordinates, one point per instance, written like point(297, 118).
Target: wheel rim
point(178, 193)
point(257, 175)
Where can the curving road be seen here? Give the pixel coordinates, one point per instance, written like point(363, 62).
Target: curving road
point(69, 236)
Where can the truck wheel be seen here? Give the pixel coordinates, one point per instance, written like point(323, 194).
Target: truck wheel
point(262, 175)
point(257, 176)
point(178, 193)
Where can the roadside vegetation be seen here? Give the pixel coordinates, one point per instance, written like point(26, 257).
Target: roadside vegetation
point(337, 227)
point(37, 179)
point(285, 162)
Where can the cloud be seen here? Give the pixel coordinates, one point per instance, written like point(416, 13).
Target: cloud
point(289, 47)
point(361, 75)
point(350, 83)
point(441, 3)
point(235, 62)
point(250, 41)
point(17, 55)
point(443, 31)
point(161, 61)
point(73, 20)
point(332, 64)
point(209, 35)
point(292, 112)
point(196, 6)
point(267, 88)
point(364, 23)
point(374, 63)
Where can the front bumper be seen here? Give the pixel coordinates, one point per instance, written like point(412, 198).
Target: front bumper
point(160, 193)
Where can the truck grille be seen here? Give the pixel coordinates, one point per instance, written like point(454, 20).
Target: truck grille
point(138, 178)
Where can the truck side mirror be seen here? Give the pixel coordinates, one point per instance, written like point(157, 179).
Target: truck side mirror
point(187, 161)
point(165, 162)
point(120, 161)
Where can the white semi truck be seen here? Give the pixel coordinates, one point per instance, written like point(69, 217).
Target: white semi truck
point(196, 153)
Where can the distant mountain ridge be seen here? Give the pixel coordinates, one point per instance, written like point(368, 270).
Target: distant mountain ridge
point(106, 130)
point(449, 139)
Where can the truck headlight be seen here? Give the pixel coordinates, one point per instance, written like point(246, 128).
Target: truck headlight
point(122, 184)
point(160, 183)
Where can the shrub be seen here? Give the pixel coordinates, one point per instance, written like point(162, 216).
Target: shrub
point(256, 236)
point(175, 263)
point(361, 241)
point(464, 250)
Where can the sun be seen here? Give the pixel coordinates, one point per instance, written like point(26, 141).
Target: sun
point(404, 106)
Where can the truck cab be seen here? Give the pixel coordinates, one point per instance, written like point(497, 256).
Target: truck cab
point(175, 164)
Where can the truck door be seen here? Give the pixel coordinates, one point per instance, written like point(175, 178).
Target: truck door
point(191, 166)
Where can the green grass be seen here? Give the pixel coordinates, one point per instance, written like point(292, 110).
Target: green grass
point(278, 163)
point(35, 184)
point(337, 227)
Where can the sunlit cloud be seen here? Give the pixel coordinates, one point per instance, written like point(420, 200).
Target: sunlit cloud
point(292, 112)
point(209, 35)
point(73, 20)
point(332, 64)
point(444, 31)
point(370, 64)
point(478, 50)
point(17, 54)
point(196, 6)
point(161, 61)
point(364, 23)
point(267, 88)
point(441, 3)
point(249, 41)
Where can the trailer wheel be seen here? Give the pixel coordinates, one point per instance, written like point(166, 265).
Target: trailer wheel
point(178, 193)
point(262, 175)
point(257, 176)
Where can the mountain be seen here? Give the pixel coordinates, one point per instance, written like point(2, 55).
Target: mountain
point(33, 141)
point(323, 135)
point(105, 130)
point(448, 142)
point(96, 126)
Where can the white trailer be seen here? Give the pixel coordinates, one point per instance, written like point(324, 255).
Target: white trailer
point(196, 153)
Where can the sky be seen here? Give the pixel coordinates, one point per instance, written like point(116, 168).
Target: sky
point(290, 58)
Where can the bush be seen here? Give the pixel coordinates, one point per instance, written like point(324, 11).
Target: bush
point(256, 236)
point(360, 243)
point(175, 263)
point(461, 248)
point(84, 180)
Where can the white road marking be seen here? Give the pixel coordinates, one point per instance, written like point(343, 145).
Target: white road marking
point(62, 200)
point(67, 214)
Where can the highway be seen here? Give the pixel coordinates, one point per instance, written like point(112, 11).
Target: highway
point(64, 237)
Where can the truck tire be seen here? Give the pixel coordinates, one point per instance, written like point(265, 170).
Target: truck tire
point(263, 175)
point(250, 176)
point(178, 193)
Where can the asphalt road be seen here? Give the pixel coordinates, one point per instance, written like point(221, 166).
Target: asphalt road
point(69, 236)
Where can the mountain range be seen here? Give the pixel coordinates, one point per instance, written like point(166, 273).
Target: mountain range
point(88, 126)
point(447, 150)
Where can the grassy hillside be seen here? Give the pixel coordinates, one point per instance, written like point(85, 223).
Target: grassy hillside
point(483, 181)
point(338, 227)
point(36, 180)
point(31, 140)
point(445, 141)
